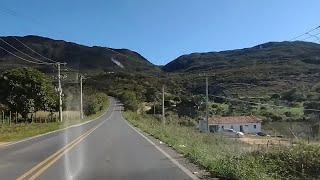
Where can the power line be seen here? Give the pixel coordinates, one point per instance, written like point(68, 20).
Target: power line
point(20, 15)
point(23, 52)
point(34, 50)
point(24, 58)
point(304, 34)
point(310, 36)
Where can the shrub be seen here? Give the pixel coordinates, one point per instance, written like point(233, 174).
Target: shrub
point(94, 103)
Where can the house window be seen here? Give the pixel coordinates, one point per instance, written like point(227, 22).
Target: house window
point(255, 126)
point(231, 127)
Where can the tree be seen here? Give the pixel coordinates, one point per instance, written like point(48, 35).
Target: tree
point(27, 90)
point(188, 107)
point(130, 101)
point(292, 95)
point(275, 96)
point(308, 106)
point(151, 94)
point(94, 103)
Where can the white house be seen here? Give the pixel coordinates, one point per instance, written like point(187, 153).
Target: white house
point(245, 124)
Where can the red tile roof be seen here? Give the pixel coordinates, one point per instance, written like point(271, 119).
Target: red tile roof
point(233, 120)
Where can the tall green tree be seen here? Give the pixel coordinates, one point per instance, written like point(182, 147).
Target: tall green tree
point(27, 90)
point(130, 101)
point(151, 94)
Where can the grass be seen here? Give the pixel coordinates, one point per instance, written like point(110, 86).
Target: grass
point(24, 130)
point(232, 159)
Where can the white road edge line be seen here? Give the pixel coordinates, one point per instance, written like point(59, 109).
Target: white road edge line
point(76, 125)
point(192, 176)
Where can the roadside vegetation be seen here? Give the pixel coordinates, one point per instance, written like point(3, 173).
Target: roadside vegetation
point(292, 108)
point(229, 158)
point(19, 131)
point(29, 104)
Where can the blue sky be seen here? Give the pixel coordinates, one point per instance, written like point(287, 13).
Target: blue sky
point(161, 30)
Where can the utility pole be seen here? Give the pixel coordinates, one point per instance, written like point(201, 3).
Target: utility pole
point(207, 103)
point(58, 64)
point(60, 92)
point(81, 95)
point(207, 98)
point(163, 118)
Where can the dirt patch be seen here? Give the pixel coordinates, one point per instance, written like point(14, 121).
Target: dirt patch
point(264, 141)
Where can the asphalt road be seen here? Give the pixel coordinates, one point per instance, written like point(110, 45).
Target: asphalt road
point(107, 148)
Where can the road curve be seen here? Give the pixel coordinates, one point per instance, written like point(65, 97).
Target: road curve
point(107, 148)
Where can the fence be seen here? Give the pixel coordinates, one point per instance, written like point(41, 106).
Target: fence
point(9, 118)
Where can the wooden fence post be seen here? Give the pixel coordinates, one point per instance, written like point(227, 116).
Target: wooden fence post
point(10, 118)
point(2, 117)
point(16, 117)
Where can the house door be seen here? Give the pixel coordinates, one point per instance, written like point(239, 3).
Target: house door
point(241, 128)
point(213, 128)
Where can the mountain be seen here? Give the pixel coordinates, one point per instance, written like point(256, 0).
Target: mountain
point(268, 53)
point(78, 57)
point(269, 67)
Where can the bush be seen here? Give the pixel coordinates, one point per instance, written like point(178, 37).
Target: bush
point(94, 103)
point(297, 162)
point(130, 100)
point(275, 96)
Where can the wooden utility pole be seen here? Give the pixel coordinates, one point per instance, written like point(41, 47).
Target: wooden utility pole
point(81, 96)
point(58, 64)
point(60, 92)
point(163, 118)
point(207, 98)
point(207, 103)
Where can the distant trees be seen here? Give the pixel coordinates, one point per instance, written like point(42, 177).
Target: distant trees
point(190, 106)
point(27, 90)
point(130, 100)
point(94, 103)
point(151, 94)
point(292, 95)
point(315, 115)
point(275, 96)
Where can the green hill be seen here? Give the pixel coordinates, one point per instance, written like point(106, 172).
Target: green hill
point(266, 68)
point(79, 57)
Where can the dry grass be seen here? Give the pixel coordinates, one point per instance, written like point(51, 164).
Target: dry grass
point(264, 141)
point(67, 115)
point(42, 124)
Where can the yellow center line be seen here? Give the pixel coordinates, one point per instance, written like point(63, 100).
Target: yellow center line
point(40, 171)
point(62, 150)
